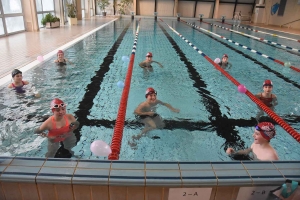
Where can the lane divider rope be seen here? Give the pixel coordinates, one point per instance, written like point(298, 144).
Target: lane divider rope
point(270, 112)
point(120, 120)
point(256, 38)
point(274, 35)
point(243, 46)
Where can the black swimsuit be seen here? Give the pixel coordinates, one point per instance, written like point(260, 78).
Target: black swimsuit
point(140, 117)
point(62, 63)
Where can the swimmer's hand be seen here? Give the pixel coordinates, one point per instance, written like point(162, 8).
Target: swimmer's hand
point(42, 134)
point(151, 113)
point(230, 151)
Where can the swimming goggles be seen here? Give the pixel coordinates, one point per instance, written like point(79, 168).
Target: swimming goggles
point(262, 131)
point(59, 105)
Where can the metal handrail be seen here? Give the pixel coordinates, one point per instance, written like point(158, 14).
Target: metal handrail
point(290, 22)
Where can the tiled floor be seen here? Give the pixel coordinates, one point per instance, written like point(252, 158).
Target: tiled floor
point(20, 49)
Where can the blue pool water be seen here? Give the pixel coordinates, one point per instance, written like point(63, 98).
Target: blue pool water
point(213, 115)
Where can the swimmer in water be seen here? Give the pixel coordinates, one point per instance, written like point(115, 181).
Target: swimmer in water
point(61, 60)
point(261, 148)
point(60, 128)
point(267, 97)
point(146, 64)
point(146, 113)
point(18, 81)
point(224, 62)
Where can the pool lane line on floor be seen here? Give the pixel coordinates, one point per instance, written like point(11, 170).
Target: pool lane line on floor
point(279, 75)
point(274, 35)
point(48, 56)
point(243, 46)
point(224, 127)
point(271, 113)
point(92, 89)
point(116, 140)
point(254, 37)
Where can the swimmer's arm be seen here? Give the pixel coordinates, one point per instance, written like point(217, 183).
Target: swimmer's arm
point(274, 101)
point(26, 82)
point(229, 65)
point(143, 64)
point(45, 126)
point(158, 63)
point(139, 111)
point(10, 86)
point(232, 152)
point(168, 106)
point(74, 123)
point(55, 61)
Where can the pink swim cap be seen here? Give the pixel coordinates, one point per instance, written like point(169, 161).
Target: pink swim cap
point(56, 103)
point(268, 83)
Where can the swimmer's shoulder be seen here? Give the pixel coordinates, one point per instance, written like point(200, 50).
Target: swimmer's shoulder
point(10, 85)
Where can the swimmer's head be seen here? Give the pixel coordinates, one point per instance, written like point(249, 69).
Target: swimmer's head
point(149, 54)
point(150, 91)
point(268, 83)
point(266, 129)
point(15, 72)
point(225, 55)
point(60, 52)
point(57, 103)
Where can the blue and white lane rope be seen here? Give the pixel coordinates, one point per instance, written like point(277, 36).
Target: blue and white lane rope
point(274, 35)
point(245, 47)
point(256, 38)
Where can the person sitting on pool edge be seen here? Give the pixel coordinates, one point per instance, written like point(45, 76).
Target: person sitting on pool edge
point(266, 97)
point(60, 128)
point(260, 148)
point(61, 60)
point(224, 62)
point(146, 112)
point(146, 64)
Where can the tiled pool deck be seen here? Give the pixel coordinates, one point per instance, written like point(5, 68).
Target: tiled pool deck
point(42, 178)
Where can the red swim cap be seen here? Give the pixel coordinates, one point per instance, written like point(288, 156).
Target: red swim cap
point(56, 103)
point(268, 83)
point(150, 91)
point(266, 129)
point(149, 54)
point(60, 51)
point(225, 55)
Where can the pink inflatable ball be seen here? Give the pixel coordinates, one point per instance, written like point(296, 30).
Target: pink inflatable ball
point(242, 88)
point(100, 148)
point(40, 58)
point(217, 60)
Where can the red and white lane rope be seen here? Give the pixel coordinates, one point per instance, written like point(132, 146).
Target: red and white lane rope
point(243, 46)
point(274, 35)
point(256, 38)
point(120, 120)
point(265, 108)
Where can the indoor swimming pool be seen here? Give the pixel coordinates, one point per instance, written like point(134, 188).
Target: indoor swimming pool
point(213, 114)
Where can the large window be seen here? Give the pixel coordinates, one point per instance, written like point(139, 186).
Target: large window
point(44, 7)
point(11, 17)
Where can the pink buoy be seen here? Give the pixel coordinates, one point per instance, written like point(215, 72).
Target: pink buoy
point(40, 58)
point(100, 148)
point(242, 88)
point(217, 60)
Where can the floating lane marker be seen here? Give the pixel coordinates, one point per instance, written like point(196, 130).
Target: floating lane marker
point(256, 38)
point(120, 120)
point(270, 112)
point(247, 28)
point(243, 46)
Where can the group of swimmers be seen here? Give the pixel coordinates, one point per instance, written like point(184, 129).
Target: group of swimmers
point(60, 125)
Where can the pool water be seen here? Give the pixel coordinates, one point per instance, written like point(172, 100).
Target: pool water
point(213, 115)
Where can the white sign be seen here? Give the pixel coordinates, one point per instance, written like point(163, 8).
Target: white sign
point(254, 193)
point(189, 193)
